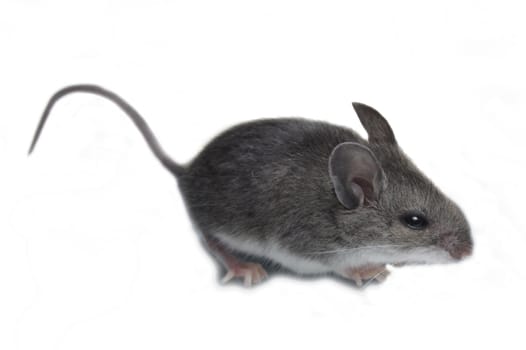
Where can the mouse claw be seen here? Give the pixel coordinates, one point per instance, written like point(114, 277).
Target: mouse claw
point(247, 282)
point(358, 281)
point(228, 276)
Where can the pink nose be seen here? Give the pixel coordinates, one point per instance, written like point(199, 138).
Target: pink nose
point(467, 252)
point(460, 251)
point(457, 250)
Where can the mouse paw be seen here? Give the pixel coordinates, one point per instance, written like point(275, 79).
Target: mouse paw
point(360, 274)
point(251, 273)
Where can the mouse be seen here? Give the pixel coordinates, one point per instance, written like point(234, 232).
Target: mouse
point(311, 197)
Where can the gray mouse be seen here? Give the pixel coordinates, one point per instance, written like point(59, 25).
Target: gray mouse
point(312, 197)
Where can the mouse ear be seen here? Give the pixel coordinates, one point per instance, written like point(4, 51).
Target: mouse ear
point(376, 126)
point(356, 175)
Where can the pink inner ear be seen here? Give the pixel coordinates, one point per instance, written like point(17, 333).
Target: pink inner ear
point(366, 188)
point(355, 173)
point(358, 193)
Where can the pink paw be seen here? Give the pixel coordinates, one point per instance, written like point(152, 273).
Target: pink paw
point(251, 273)
point(369, 272)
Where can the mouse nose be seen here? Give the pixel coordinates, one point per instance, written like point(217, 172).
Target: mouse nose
point(455, 246)
point(461, 252)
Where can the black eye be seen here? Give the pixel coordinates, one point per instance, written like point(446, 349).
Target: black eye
point(415, 221)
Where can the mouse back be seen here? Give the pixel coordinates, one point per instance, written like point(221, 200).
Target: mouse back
point(264, 176)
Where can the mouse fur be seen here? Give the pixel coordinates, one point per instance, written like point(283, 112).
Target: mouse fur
point(312, 197)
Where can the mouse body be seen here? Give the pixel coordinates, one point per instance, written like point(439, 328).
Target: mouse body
point(312, 197)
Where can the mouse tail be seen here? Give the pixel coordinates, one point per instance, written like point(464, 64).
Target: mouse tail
point(141, 124)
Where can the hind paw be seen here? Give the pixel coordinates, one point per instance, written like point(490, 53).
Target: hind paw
point(251, 273)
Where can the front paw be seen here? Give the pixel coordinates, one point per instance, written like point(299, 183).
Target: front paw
point(363, 273)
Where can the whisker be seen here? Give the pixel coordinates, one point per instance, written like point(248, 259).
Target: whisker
point(372, 279)
point(344, 250)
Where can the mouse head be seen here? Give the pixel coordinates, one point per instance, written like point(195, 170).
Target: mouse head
point(389, 205)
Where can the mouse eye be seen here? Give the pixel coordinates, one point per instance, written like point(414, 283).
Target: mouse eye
point(414, 221)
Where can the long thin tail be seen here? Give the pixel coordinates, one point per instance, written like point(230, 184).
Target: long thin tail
point(145, 130)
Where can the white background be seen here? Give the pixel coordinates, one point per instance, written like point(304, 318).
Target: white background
point(96, 249)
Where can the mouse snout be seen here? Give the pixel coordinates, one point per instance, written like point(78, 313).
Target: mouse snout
point(458, 247)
